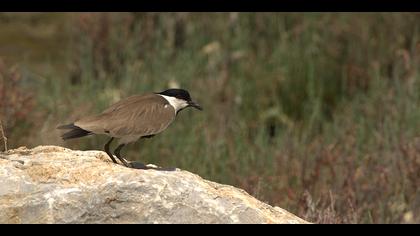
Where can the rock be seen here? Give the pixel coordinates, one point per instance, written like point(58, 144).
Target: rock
point(50, 184)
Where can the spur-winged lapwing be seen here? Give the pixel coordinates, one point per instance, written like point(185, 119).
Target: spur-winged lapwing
point(135, 117)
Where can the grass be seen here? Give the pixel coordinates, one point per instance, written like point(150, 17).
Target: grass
point(316, 113)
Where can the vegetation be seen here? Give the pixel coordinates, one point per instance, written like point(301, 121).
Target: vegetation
point(316, 113)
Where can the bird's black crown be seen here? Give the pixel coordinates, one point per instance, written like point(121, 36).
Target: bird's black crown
point(177, 93)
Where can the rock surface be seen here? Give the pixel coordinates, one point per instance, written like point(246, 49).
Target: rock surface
point(50, 184)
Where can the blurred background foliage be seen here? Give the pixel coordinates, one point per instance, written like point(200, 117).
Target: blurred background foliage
point(317, 113)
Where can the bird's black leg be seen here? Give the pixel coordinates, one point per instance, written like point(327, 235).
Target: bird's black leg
point(117, 153)
point(106, 147)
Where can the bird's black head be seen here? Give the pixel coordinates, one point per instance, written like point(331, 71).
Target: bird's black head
point(181, 94)
point(177, 93)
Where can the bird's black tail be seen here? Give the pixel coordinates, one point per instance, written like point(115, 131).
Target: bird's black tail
point(75, 131)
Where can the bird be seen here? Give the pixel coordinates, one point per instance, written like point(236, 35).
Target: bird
point(132, 118)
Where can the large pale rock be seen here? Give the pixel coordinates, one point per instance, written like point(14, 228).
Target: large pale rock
point(50, 184)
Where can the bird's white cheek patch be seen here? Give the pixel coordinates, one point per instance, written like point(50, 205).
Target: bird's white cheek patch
point(176, 103)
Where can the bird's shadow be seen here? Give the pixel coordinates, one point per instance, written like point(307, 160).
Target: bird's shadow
point(141, 166)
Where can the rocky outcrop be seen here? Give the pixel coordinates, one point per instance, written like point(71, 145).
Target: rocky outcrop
point(50, 184)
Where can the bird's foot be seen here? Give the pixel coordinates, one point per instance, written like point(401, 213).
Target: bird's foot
point(124, 162)
point(138, 165)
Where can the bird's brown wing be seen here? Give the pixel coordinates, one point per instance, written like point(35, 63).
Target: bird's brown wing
point(134, 116)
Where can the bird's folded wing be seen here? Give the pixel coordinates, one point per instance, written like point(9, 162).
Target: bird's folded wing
point(136, 115)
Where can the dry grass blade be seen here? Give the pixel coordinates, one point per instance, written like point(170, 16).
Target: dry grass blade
point(3, 136)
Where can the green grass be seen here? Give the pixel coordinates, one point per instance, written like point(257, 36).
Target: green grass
point(316, 113)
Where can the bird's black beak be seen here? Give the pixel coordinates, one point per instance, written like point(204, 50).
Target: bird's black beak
point(195, 105)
